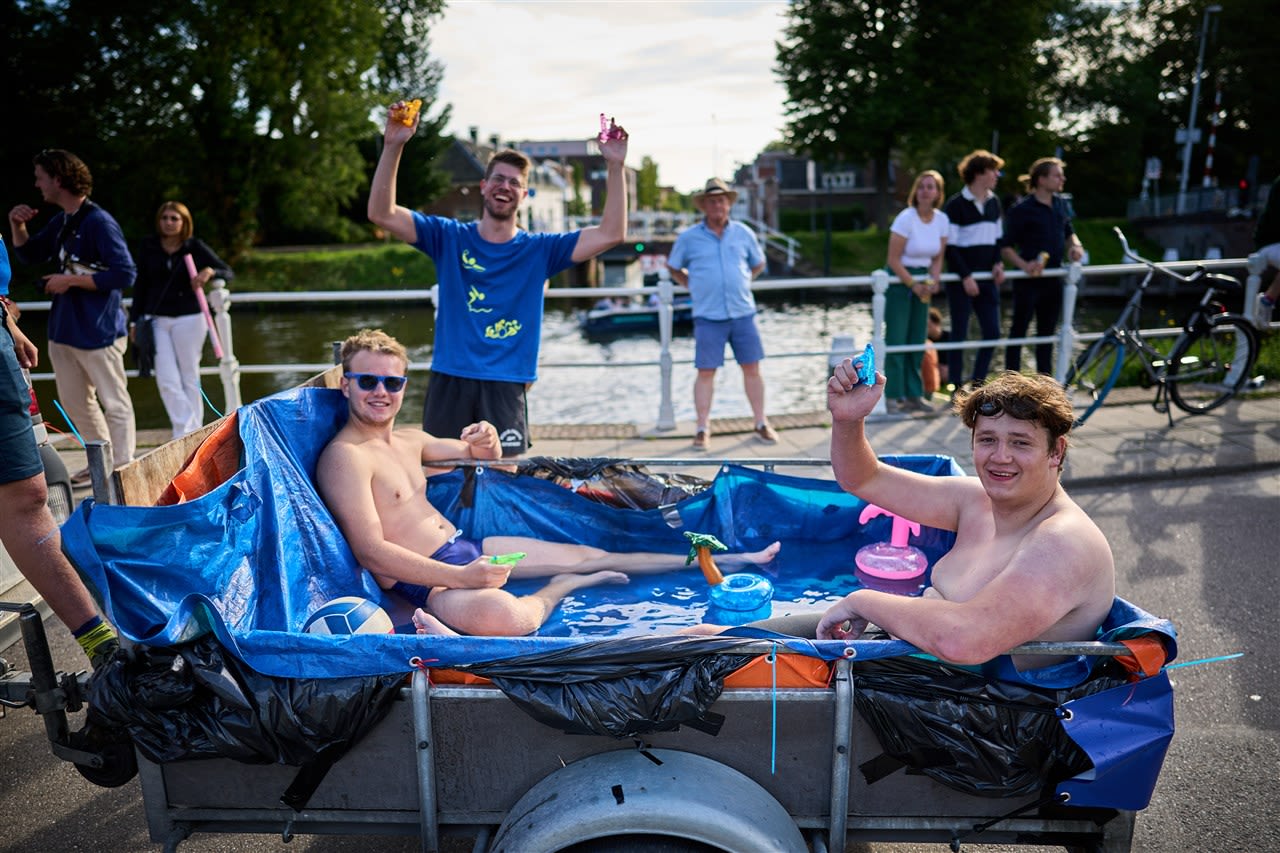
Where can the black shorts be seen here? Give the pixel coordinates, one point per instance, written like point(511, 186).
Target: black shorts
point(454, 403)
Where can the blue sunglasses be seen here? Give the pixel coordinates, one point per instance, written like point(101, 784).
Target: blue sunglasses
point(369, 381)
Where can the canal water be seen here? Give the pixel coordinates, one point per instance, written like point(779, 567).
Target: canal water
point(599, 387)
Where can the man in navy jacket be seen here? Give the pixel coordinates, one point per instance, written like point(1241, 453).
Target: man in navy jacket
point(88, 331)
point(1037, 234)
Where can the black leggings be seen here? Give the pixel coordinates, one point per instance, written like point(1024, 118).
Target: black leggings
point(1041, 298)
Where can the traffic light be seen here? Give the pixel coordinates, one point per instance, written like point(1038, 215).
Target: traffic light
point(639, 248)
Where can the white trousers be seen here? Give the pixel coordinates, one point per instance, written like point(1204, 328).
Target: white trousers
point(179, 344)
point(91, 383)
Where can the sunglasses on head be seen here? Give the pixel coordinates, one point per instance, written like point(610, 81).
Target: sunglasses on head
point(369, 381)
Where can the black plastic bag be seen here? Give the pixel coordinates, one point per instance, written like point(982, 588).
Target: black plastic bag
point(621, 688)
point(198, 701)
point(144, 346)
point(983, 737)
point(614, 482)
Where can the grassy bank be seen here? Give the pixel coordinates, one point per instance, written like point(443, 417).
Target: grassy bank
point(860, 252)
point(371, 267)
point(395, 265)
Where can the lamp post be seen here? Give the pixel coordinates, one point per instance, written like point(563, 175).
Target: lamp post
point(1189, 134)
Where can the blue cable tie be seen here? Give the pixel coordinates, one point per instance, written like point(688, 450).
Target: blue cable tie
point(1205, 660)
point(773, 734)
point(212, 407)
point(75, 433)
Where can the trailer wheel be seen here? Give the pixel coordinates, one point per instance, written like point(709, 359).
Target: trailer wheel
point(628, 801)
point(641, 844)
point(119, 761)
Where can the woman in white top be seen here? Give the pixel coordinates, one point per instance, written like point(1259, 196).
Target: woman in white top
point(917, 240)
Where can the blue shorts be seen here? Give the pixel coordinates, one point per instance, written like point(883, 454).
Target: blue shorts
point(710, 336)
point(19, 456)
point(456, 552)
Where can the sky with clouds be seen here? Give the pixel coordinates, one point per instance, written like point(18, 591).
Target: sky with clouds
point(692, 81)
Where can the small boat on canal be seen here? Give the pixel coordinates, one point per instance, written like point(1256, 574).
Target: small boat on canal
point(608, 318)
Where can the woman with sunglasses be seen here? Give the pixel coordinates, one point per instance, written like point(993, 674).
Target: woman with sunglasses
point(165, 297)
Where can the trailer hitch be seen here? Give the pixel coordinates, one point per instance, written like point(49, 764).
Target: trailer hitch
point(103, 756)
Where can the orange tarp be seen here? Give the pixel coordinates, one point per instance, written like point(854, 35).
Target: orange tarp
point(215, 460)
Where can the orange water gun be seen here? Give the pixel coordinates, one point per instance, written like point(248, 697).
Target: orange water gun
point(405, 111)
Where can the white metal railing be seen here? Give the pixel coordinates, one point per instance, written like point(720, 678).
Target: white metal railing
point(775, 239)
point(662, 224)
point(230, 369)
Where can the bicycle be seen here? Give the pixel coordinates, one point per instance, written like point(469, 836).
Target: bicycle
point(1208, 363)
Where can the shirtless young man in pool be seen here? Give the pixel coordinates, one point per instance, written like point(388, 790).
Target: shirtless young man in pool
point(370, 476)
point(1028, 563)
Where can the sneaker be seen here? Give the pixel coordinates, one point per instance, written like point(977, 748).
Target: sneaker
point(701, 439)
point(920, 404)
point(766, 433)
point(1262, 309)
point(900, 406)
point(81, 478)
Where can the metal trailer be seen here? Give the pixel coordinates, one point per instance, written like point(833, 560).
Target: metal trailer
point(781, 775)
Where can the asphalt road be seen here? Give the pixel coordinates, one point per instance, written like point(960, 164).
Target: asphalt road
point(1201, 552)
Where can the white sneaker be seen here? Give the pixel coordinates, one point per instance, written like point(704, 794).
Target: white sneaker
point(1262, 311)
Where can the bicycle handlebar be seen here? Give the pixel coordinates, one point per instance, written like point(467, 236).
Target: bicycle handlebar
point(1196, 274)
point(1124, 244)
point(1216, 281)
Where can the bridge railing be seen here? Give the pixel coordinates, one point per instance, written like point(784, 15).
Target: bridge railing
point(229, 369)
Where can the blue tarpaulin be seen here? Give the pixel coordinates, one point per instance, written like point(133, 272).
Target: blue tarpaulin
point(255, 556)
point(251, 559)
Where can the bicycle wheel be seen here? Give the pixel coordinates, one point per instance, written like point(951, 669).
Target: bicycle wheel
point(1093, 375)
point(1207, 368)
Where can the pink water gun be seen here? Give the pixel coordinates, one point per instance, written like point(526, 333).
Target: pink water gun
point(609, 130)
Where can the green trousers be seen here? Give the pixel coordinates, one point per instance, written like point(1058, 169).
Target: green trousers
point(906, 321)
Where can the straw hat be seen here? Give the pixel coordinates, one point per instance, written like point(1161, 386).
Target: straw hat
point(715, 186)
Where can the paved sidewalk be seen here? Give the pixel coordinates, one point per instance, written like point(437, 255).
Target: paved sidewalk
point(1124, 441)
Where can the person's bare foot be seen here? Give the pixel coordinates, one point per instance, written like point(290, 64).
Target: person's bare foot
point(428, 624)
point(753, 558)
point(704, 629)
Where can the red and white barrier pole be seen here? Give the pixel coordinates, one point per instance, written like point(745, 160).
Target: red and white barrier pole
point(1214, 121)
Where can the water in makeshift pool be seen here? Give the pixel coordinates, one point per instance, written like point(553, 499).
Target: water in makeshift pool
point(806, 576)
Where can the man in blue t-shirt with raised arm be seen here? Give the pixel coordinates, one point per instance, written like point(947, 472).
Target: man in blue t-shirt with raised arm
point(491, 279)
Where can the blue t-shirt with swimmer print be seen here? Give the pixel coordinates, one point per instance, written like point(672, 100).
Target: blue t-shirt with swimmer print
point(489, 320)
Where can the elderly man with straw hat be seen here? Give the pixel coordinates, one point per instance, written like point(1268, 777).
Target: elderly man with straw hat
point(717, 260)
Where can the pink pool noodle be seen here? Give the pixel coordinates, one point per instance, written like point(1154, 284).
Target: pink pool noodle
point(204, 307)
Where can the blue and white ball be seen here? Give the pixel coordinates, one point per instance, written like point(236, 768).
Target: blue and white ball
point(349, 614)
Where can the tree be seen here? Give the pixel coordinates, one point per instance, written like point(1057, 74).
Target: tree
point(1146, 96)
point(253, 115)
point(647, 185)
point(917, 83)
